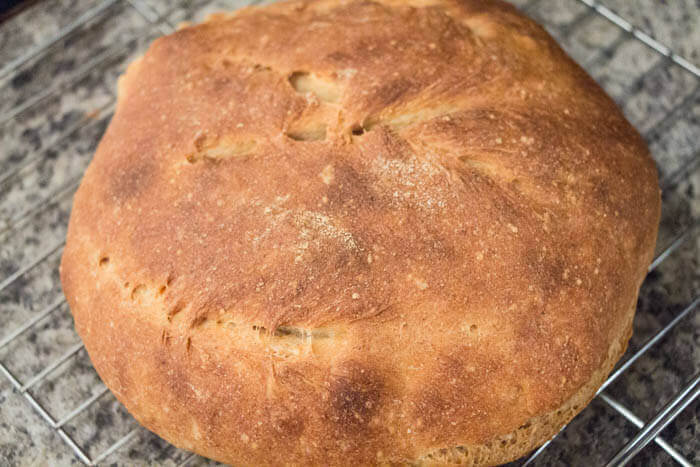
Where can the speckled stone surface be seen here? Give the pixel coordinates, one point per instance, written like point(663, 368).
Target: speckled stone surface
point(675, 23)
point(54, 108)
point(16, 37)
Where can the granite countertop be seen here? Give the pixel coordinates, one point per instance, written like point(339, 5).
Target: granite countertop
point(56, 101)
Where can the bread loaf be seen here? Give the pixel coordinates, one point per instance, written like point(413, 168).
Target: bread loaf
point(360, 232)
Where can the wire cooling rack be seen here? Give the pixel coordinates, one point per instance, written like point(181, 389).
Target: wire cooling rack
point(56, 97)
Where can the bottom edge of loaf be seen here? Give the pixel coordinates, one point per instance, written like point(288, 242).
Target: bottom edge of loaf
point(511, 446)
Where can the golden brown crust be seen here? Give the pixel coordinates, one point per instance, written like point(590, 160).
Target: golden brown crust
point(360, 232)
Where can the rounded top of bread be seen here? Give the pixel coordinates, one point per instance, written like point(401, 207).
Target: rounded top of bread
point(360, 231)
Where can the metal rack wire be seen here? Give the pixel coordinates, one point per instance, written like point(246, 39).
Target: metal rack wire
point(23, 214)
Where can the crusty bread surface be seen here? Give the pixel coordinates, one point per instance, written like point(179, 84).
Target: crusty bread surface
point(360, 232)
